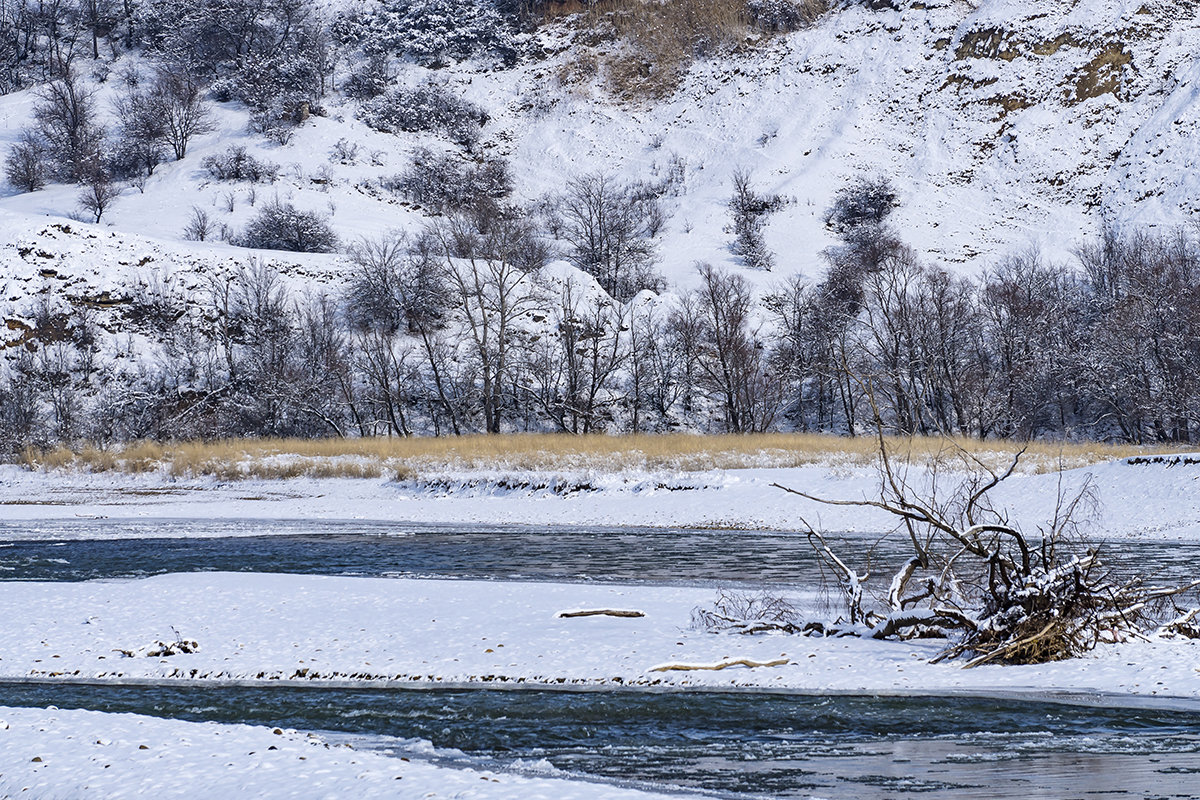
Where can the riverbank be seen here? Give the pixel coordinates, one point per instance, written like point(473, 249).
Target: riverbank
point(1139, 500)
point(86, 754)
point(218, 629)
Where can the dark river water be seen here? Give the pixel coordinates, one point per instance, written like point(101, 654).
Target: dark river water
point(746, 745)
point(73, 550)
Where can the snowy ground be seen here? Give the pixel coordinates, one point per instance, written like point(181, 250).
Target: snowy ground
point(261, 627)
point(1140, 501)
point(86, 754)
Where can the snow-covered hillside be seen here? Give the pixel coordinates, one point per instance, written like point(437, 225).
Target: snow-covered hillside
point(1003, 126)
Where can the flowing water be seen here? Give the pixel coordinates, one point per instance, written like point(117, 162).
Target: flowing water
point(746, 745)
point(89, 549)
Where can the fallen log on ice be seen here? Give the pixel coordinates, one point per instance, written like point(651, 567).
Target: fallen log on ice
point(731, 662)
point(599, 612)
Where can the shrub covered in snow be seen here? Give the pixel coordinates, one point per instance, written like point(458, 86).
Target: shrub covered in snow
point(866, 201)
point(431, 32)
point(445, 181)
point(235, 164)
point(272, 55)
point(430, 107)
point(369, 79)
point(278, 84)
point(282, 226)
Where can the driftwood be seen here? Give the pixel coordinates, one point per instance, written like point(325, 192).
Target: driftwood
point(159, 649)
point(600, 612)
point(732, 662)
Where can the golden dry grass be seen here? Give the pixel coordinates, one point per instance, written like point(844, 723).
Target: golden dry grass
point(644, 47)
point(408, 458)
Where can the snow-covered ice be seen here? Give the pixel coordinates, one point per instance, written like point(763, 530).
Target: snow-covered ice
point(57, 753)
point(271, 627)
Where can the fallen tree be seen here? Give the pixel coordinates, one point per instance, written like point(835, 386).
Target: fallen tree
point(996, 592)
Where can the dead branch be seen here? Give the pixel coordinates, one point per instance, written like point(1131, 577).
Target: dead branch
point(732, 662)
point(600, 612)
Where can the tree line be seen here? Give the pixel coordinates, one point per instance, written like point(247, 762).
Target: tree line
point(471, 325)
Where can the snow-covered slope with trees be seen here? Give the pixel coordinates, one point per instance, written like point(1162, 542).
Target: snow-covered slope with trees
point(1002, 126)
point(997, 128)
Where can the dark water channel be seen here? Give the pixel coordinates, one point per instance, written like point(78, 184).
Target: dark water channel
point(73, 550)
point(731, 745)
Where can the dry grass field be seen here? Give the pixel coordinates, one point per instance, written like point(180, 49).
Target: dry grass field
point(410, 458)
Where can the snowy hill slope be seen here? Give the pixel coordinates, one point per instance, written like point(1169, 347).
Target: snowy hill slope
point(51, 267)
point(1013, 124)
point(1003, 126)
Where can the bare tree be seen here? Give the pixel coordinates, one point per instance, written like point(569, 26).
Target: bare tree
point(573, 373)
point(98, 194)
point(65, 114)
point(25, 164)
point(733, 363)
point(487, 279)
point(609, 228)
point(385, 361)
point(98, 16)
point(177, 98)
point(141, 130)
point(653, 365)
point(400, 284)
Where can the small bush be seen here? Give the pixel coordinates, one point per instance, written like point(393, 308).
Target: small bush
point(866, 201)
point(344, 151)
point(447, 182)
point(750, 210)
point(276, 126)
point(281, 226)
point(25, 166)
point(199, 227)
point(235, 164)
point(370, 80)
point(781, 16)
point(428, 108)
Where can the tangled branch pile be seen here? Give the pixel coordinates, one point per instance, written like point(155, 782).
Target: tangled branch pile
point(999, 594)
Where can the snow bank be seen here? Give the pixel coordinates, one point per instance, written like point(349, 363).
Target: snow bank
point(1160, 501)
point(47, 753)
point(279, 628)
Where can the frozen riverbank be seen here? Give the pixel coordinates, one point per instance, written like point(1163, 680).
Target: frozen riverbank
point(1160, 501)
point(53, 752)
